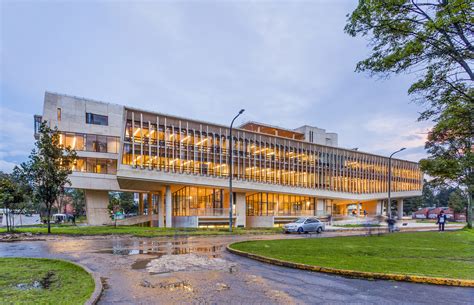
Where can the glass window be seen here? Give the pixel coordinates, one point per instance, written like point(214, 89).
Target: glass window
point(78, 165)
point(75, 141)
point(101, 145)
point(91, 142)
point(97, 119)
point(101, 166)
point(59, 114)
point(112, 145)
point(111, 167)
point(90, 165)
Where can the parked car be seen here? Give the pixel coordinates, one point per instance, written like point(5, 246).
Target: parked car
point(304, 225)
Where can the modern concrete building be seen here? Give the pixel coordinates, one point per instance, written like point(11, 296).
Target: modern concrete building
point(179, 167)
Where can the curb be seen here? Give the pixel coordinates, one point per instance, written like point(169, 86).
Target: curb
point(95, 296)
point(357, 274)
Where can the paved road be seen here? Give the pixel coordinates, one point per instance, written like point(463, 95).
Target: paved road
point(198, 270)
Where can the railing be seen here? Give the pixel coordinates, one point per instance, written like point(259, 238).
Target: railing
point(338, 219)
point(205, 212)
point(292, 213)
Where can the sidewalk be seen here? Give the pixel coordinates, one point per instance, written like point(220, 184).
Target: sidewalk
point(403, 226)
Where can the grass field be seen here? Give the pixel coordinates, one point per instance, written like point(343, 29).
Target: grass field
point(43, 281)
point(140, 231)
point(446, 254)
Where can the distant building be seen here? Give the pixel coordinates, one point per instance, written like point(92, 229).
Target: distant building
point(180, 167)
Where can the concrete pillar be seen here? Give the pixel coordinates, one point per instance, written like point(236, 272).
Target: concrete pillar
point(150, 207)
point(161, 210)
point(168, 207)
point(358, 208)
point(240, 210)
point(400, 208)
point(379, 208)
point(140, 204)
point(319, 208)
point(96, 207)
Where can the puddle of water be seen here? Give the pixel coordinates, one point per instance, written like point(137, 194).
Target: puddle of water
point(44, 283)
point(141, 264)
point(25, 286)
point(181, 285)
point(159, 251)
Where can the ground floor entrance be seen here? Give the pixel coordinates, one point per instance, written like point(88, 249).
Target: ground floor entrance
point(192, 206)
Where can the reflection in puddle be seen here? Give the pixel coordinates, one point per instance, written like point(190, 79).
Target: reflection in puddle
point(141, 264)
point(160, 248)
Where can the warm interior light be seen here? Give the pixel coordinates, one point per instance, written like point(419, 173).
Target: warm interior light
point(202, 141)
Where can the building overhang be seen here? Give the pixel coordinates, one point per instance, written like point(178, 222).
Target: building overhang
point(153, 180)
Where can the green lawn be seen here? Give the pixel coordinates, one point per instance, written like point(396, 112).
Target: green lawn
point(358, 225)
point(61, 282)
point(141, 231)
point(446, 254)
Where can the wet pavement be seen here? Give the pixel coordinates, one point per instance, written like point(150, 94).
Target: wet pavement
point(198, 270)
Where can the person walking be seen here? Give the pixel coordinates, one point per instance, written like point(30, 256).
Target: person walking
point(441, 221)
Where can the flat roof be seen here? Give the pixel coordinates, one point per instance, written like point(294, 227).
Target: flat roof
point(272, 130)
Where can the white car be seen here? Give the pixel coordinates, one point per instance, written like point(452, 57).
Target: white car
point(305, 225)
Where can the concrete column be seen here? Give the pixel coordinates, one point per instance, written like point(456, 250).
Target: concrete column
point(96, 207)
point(358, 208)
point(161, 210)
point(240, 210)
point(168, 207)
point(379, 208)
point(319, 208)
point(140, 204)
point(150, 207)
point(400, 208)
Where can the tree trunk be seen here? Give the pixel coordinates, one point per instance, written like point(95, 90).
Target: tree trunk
point(49, 220)
point(469, 210)
point(7, 220)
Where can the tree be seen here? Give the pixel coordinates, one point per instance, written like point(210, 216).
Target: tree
point(48, 168)
point(457, 202)
point(427, 199)
point(434, 40)
point(14, 195)
point(78, 201)
point(125, 200)
point(114, 207)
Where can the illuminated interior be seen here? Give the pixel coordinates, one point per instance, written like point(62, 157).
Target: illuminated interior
point(180, 146)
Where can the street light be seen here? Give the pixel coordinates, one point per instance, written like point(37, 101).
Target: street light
point(390, 182)
point(231, 195)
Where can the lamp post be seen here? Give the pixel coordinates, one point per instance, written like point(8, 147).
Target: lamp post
point(231, 159)
point(390, 182)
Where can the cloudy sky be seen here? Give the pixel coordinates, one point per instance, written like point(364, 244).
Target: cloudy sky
point(286, 63)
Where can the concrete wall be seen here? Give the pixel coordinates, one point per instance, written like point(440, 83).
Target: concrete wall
point(260, 221)
point(96, 207)
point(73, 114)
point(185, 221)
point(320, 136)
point(240, 210)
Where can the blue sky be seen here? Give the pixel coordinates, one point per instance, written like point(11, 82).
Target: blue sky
point(286, 63)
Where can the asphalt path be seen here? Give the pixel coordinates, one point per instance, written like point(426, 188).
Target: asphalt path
point(198, 270)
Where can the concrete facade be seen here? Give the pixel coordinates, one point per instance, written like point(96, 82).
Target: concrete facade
point(97, 212)
point(158, 154)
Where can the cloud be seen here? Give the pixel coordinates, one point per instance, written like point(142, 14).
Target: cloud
point(16, 137)
point(388, 133)
point(6, 166)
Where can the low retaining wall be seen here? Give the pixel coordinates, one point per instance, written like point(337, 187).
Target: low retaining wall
point(95, 296)
point(357, 274)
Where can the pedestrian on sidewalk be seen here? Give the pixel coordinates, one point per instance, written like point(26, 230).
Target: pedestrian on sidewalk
point(441, 220)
